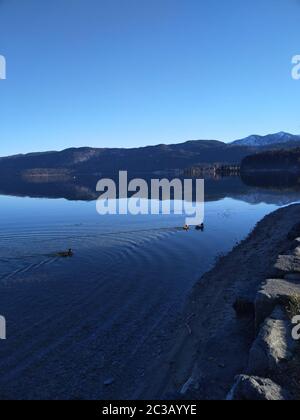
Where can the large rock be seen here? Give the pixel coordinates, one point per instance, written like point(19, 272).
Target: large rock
point(288, 264)
point(252, 388)
point(273, 346)
point(297, 251)
point(274, 292)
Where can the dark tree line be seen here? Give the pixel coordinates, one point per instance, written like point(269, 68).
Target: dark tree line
point(275, 160)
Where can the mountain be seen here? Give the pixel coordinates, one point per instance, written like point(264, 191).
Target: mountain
point(93, 161)
point(271, 139)
point(146, 159)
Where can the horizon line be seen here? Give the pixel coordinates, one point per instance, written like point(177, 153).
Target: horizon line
point(147, 146)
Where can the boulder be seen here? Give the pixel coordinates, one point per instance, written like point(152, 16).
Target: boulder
point(273, 345)
point(273, 293)
point(253, 388)
point(288, 264)
point(297, 251)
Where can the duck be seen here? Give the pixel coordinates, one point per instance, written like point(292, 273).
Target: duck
point(186, 227)
point(200, 227)
point(65, 254)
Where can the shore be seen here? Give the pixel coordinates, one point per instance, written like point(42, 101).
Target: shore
point(102, 335)
point(212, 345)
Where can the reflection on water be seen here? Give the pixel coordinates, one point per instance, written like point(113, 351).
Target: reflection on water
point(276, 180)
point(103, 315)
point(271, 188)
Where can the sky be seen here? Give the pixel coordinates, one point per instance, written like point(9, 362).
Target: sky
point(129, 73)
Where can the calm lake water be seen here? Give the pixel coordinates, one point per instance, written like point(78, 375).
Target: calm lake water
point(94, 325)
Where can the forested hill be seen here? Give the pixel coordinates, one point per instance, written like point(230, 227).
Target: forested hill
point(152, 158)
point(274, 160)
point(162, 157)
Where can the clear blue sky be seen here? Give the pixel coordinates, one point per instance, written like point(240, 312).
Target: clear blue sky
point(134, 72)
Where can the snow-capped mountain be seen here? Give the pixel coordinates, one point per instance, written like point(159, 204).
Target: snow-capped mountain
point(277, 138)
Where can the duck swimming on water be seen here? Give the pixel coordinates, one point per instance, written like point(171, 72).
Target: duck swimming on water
point(65, 254)
point(200, 227)
point(186, 227)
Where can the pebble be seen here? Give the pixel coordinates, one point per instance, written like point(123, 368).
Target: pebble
point(109, 381)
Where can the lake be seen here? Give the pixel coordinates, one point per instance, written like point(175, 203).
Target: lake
point(96, 325)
